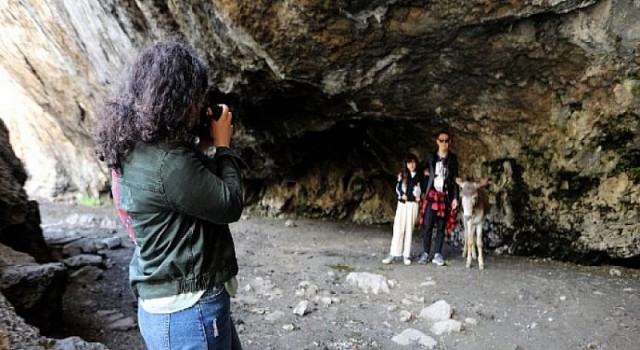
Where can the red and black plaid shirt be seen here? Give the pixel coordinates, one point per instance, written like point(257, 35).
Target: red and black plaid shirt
point(438, 205)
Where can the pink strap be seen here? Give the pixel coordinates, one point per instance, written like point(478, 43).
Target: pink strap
point(126, 219)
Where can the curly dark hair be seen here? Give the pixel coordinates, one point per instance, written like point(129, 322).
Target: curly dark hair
point(153, 101)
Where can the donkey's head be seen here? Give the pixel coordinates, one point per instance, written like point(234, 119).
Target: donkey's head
point(469, 194)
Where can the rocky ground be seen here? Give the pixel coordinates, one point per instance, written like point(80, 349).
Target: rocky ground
point(515, 303)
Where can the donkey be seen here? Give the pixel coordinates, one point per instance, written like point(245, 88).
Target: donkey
point(475, 206)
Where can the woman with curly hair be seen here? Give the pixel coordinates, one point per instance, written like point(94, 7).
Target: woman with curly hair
point(175, 203)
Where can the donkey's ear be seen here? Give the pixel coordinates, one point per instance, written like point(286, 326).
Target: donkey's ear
point(459, 181)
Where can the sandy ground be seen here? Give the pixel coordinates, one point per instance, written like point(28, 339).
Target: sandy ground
point(515, 303)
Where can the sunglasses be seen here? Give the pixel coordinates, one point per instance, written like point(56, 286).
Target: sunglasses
point(443, 141)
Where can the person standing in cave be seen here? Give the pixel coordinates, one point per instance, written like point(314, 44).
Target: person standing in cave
point(175, 202)
point(408, 189)
point(441, 169)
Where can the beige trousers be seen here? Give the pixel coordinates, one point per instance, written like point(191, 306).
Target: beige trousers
point(405, 220)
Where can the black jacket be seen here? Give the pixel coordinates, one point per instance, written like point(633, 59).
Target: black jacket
point(451, 163)
point(408, 189)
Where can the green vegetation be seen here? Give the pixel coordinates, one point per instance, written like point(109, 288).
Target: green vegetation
point(617, 131)
point(91, 202)
point(634, 73)
point(630, 164)
point(342, 268)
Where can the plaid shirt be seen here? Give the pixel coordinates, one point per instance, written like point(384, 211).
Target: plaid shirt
point(438, 204)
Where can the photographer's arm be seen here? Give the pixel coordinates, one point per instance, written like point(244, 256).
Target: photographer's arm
point(192, 188)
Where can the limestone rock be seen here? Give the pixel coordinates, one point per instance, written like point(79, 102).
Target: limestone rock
point(541, 96)
point(15, 333)
point(438, 311)
point(368, 282)
point(414, 337)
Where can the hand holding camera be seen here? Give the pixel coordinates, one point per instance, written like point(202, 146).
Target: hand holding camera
point(222, 127)
point(216, 122)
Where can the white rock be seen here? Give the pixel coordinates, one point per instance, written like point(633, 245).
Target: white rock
point(83, 260)
point(109, 243)
point(274, 316)
point(405, 316)
point(312, 290)
point(325, 301)
point(290, 223)
point(259, 310)
point(288, 327)
point(105, 313)
point(446, 326)
point(407, 302)
point(123, 324)
point(428, 284)
point(412, 336)
point(302, 308)
point(368, 282)
point(615, 272)
point(470, 320)
point(438, 311)
point(563, 297)
point(86, 275)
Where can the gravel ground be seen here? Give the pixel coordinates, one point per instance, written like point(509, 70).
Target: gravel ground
point(515, 303)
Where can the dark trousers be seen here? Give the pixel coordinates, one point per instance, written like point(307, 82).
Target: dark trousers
point(430, 220)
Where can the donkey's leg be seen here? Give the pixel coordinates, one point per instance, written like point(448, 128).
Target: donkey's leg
point(480, 245)
point(472, 246)
point(468, 242)
point(464, 246)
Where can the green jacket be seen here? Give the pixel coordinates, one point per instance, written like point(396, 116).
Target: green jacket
point(178, 205)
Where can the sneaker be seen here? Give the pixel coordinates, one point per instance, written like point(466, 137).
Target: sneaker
point(424, 259)
point(388, 260)
point(407, 261)
point(438, 260)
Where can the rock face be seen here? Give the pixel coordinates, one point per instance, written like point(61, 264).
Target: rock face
point(28, 277)
point(542, 97)
point(19, 217)
point(16, 334)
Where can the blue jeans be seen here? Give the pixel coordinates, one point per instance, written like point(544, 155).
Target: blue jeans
point(205, 325)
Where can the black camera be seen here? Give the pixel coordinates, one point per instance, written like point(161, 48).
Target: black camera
point(204, 127)
point(212, 100)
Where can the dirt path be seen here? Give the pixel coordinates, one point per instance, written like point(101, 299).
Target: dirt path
point(515, 303)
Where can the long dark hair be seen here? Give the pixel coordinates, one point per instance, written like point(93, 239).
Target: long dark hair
point(152, 101)
point(405, 170)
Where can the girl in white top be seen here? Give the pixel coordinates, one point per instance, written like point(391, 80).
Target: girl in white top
point(408, 189)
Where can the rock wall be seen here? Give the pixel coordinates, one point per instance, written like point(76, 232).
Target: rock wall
point(16, 334)
point(29, 277)
point(542, 97)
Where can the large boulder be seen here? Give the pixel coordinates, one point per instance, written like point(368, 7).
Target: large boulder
point(15, 333)
point(19, 217)
point(29, 278)
point(34, 289)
